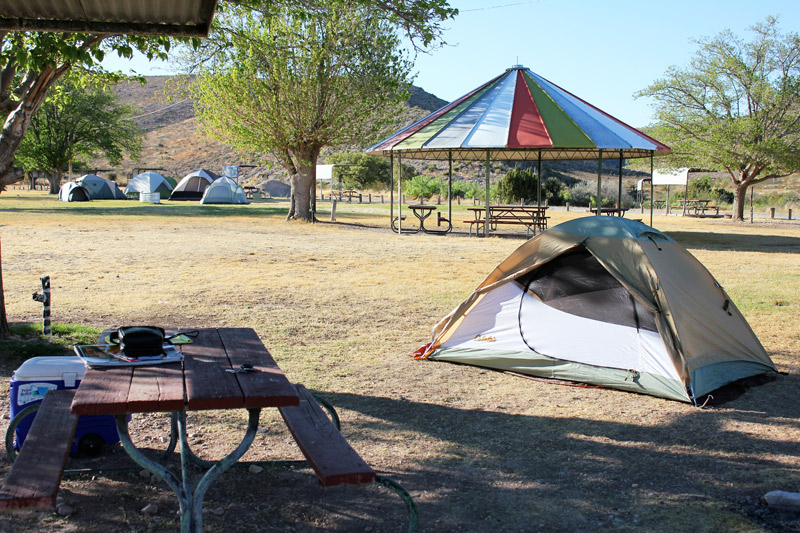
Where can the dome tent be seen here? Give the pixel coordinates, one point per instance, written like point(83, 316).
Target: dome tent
point(100, 188)
point(193, 185)
point(149, 182)
point(73, 192)
point(224, 191)
point(606, 301)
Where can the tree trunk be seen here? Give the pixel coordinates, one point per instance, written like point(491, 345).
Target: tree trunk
point(5, 333)
point(739, 201)
point(17, 123)
point(300, 207)
point(55, 178)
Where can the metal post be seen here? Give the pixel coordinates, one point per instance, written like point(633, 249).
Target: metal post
point(400, 195)
point(486, 203)
point(539, 179)
point(391, 189)
point(651, 190)
point(44, 298)
point(598, 200)
point(450, 187)
point(619, 192)
point(751, 204)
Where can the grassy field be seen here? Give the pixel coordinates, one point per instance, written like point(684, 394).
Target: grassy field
point(340, 305)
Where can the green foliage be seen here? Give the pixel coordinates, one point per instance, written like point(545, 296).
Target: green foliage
point(518, 184)
point(372, 171)
point(554, 190)
point(79, 119)
point(584, 194)
point(468, 189)
point(425, 186)
point(704, 188)
point(735, 107)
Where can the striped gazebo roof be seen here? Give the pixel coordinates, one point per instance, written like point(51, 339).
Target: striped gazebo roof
point(519, 115)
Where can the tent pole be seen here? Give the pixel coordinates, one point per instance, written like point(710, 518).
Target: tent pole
point(400, 194)
point(651, 189)
point(598, 198)
point(619, 193)
point(391, 188)
point(450, 187)
point(486, 203)
point(539, 180)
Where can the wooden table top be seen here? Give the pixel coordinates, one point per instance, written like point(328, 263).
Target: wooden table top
point(200, 382)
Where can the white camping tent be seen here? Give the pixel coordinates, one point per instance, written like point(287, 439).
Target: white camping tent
point(149, 182)
point(193, 185)
point(100, 188)
point(224, 191)
point(73, 192)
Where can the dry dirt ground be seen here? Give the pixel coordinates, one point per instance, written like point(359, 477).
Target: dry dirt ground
point(340, 306)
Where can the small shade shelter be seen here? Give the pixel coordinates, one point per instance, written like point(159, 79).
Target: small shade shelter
point(519, 116)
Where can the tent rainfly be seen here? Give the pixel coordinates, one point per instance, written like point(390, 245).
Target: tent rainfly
point(519, 116)
point(224, 191)
point(606, 301)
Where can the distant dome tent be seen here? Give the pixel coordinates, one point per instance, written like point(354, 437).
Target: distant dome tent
point(193, 185)
point(224, 191)
point(100, 188)
point(149, 182)
point(519, 116)
point(73, 192)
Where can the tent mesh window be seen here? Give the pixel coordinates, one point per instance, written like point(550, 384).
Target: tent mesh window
point(576, 283)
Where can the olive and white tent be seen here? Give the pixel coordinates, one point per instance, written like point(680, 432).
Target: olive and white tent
point(73, 192)
point(193, 185)
point(100, 188)
point(224, 191)
point(606, 301)
point(149, 182)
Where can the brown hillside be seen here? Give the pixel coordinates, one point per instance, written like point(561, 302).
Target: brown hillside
point(176, 143)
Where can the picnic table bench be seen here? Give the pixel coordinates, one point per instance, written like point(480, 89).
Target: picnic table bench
point(610, 211)
point(530, 216)
point(698, 208)
point(422, 212)
point(250, 192)
point(36, 473)
point(349, 194)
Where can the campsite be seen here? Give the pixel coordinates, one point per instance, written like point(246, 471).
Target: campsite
point(341, 306)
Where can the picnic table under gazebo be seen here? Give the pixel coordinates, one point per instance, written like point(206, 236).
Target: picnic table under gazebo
point(516, 116)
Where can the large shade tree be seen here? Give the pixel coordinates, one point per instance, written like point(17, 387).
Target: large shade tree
point(81, 118)
point(292, 84)
point(736, 107)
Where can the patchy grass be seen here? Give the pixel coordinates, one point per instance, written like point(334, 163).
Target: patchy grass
point(341, 305)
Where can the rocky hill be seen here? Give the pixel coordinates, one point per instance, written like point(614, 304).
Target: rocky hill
point(175, 142)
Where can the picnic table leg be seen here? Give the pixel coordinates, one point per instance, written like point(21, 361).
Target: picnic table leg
point(191, 502)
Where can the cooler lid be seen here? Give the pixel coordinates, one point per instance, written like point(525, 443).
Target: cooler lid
point(50, 368)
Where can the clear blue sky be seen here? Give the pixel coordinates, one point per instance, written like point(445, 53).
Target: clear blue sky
point(602, 51)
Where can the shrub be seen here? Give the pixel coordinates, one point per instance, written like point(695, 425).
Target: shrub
point(584, 195)
point(554, 191)
point(425, 186)
point(518, 184)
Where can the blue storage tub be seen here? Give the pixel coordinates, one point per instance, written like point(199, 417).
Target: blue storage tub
point(31, 381)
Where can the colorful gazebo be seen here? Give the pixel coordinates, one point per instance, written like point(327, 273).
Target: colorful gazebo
point(519, 116)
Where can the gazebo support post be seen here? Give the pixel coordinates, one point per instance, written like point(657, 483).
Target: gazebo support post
point(651, 190)
point(391, 188)
point(400, 194)
point(486, 203)
point(598, 199)
point(619, 192)
point(539, 180)
point(450, 187)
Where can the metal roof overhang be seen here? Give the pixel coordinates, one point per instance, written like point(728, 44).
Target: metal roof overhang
point(520, 154)
point(181, 18)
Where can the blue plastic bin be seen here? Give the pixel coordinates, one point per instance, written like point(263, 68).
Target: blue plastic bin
point(31, 381)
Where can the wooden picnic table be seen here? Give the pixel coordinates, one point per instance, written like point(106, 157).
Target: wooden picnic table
point(698, 207)
point(610, 211)
point(201, 382)
point(531, 216)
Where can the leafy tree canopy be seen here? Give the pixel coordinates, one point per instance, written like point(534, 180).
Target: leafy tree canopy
point(735, 107)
